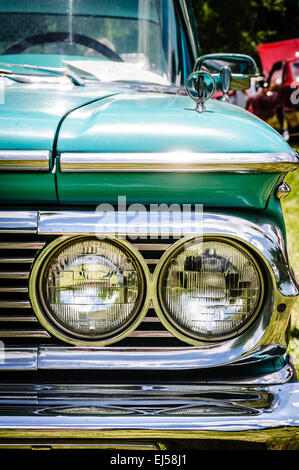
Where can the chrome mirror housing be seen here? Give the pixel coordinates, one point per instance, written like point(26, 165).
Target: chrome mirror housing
point(230, 71)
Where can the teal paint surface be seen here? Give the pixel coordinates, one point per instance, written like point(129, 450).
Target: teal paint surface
point(218, 190)
point(27, 189)
point(30, 114)
point(99, 118)
point(147, 122)
point(29, 119)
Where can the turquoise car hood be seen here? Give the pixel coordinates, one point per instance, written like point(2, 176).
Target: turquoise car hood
point(30, 114)
point(150, 122)
point(139, 122)
point(99, 118)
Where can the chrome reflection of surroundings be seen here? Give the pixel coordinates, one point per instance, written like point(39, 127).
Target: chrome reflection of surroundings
point(24, 160)
point(210, 289)
point(283, 190)
point(179, 161)
point(205, 89)
point(90, 288)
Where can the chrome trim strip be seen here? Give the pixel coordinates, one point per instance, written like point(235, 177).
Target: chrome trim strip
point(21, 245)
point(17, 222)
point(18, 359)
point(179, 162)
point(80, 222)
point(24, 160)
point(16, 260)
point(143, 358)
point(24, 334)
point(150, 334)
point(14, 289)
point(53, 392)
point(14, 318)
point(260, 233)
point(107, 358)
point(151, 320)
point(152, 246)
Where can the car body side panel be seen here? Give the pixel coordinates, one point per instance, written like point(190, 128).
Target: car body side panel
point(210, 190)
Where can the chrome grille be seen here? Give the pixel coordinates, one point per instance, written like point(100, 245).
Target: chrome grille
point(18, 322)
point(151, 327)
point(17, 319)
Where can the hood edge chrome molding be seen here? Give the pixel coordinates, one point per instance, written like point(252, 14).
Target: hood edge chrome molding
point(180, 161)
point(25, 160)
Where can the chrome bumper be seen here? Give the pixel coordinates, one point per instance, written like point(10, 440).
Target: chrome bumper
point(148, 416)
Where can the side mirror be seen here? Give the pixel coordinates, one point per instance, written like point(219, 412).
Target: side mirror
point(230, 71)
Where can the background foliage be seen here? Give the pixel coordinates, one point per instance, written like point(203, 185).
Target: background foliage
point(240, 25)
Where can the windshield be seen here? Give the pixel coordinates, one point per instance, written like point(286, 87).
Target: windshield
point(141, 39)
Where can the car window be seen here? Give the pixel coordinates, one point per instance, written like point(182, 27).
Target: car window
point(142, 33)
point(276, 74)
point(295, 70)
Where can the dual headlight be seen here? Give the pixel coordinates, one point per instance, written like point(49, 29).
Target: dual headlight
point(209, 289)
point(91, 291)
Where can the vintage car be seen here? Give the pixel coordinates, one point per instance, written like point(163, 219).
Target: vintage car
point(145, 286)
point(277, 101)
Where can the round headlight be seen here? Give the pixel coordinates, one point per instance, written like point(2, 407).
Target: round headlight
point(209, 290)
point(89, 288)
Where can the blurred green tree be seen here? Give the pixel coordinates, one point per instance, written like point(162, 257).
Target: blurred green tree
point(240, 25)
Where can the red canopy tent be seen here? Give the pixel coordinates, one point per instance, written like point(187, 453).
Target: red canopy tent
point(275, 51)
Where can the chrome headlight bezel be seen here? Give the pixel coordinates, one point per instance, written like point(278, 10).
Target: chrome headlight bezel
point(165, 317)
point(46, 317)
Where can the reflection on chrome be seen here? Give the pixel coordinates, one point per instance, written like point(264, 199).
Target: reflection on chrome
point(87, 410)
point(91, 287)
point(202, 409)
point(211, 288)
